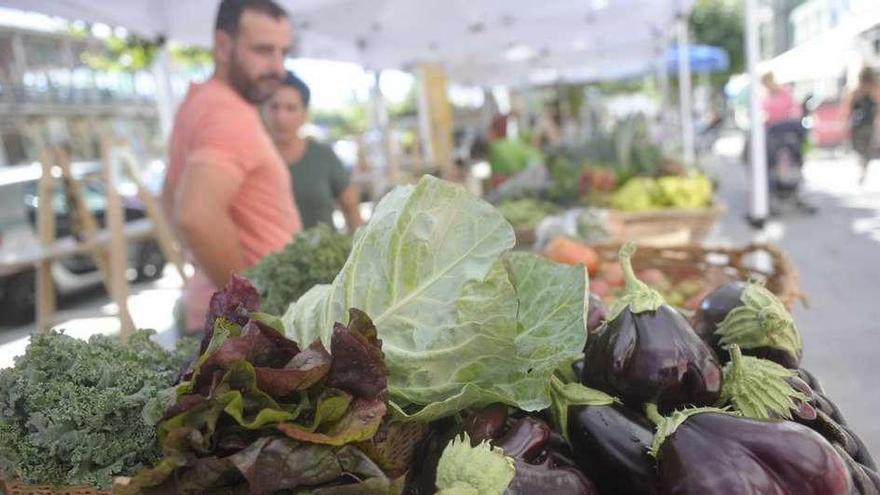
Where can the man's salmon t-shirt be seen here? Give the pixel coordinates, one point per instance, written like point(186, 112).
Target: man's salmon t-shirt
point(215, 127)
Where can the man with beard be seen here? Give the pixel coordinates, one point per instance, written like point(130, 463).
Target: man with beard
point(227, 191)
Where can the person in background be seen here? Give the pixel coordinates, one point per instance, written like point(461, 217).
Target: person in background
point(320, 181)
point(227, 191)
point(860, 110)
point(779, 105)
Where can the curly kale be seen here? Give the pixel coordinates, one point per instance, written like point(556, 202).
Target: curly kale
point(314, 257)
point(72, 412)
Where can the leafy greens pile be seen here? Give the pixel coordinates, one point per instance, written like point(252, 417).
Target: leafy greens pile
point(72, 412)
point(463, 321)
point(314, 257)
point(258, 413)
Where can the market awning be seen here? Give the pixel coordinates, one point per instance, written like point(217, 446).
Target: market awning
point(478, 41)
point(702, 58)
point(827, 56)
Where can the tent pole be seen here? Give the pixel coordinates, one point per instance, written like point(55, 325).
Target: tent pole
point(164, 93)
point(684, 91)
point(758, 206)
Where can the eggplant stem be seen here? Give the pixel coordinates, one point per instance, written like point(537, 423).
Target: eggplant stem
point(653, 413)
point(629, 275)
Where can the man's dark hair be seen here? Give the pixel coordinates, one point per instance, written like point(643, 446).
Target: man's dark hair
point(291, 81)
point(230, 11)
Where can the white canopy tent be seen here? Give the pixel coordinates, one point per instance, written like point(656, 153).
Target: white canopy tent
point(480, 42)
point(484, 42)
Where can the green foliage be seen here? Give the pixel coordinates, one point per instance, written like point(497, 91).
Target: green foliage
point(72, 412)
point(463, 322)
point(314, 257)
point(527, 212)
point(129, 54)
point(720, 23)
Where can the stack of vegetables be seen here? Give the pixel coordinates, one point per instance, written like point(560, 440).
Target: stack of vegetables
point(648, 193)
point(314, 257)
point(524, 384)
point(79, 413)
point(258, 413)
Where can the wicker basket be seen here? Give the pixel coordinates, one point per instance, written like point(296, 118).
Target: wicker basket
point(18, 488)
point(716, 266)
point(668, 227)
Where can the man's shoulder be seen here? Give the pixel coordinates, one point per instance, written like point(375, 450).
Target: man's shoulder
point(214, 98)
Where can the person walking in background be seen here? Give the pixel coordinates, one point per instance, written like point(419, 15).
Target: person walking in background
point(860, 107)
point(779, 104)
point(227, 191)
point(320, 181)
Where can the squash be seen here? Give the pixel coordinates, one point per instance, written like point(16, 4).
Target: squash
point(565, 250)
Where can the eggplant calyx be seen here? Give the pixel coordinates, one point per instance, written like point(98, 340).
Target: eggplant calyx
point(638, 296)
point(464, 469)
point(563, 395)
point(762, 321)
point(758, 388)
point(669, 424)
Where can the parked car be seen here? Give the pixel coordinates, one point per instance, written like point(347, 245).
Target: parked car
point(18, 233)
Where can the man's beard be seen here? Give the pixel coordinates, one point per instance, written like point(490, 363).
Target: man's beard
point(250, 89)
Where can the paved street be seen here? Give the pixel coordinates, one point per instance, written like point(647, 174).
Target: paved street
point(836, 251)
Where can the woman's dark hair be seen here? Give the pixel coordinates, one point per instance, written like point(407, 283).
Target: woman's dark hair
point(291, 81)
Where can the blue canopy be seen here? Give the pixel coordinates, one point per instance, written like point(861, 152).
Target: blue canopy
point(704, 58)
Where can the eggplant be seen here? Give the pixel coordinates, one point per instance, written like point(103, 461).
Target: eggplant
point(811, 380)
point(761, 389)
point(749, 315)
point(714, 308)
point(539, 469)
point(526, 439)
point(533, 479)
point(487, 423)
point(702, 451)
point(611, 445)
point(596, 314)
point(864, 478)
point(647, 352)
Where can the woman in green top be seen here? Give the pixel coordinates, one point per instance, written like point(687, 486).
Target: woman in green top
point(320, 182)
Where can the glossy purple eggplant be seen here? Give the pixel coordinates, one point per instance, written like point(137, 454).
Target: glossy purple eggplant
point(748, 315)
point(647, 352)
point(597, 313)
point(486, 423)
point(538, 468)
point(715, 452)
point(611, 445)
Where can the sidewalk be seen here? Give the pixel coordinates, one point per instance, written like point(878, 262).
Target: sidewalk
point(837, 253)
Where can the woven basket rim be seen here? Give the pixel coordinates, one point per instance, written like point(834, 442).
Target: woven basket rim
point(716, 209)
point(784, 272)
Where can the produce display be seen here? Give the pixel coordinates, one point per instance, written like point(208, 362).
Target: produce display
point(314, 257)
point(465, 322)
point(521, 380)
point(526, 213)
point(649, 193)
point(258, 413)
point(75, 412)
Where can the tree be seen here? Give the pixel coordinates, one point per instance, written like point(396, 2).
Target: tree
point(720, 23)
